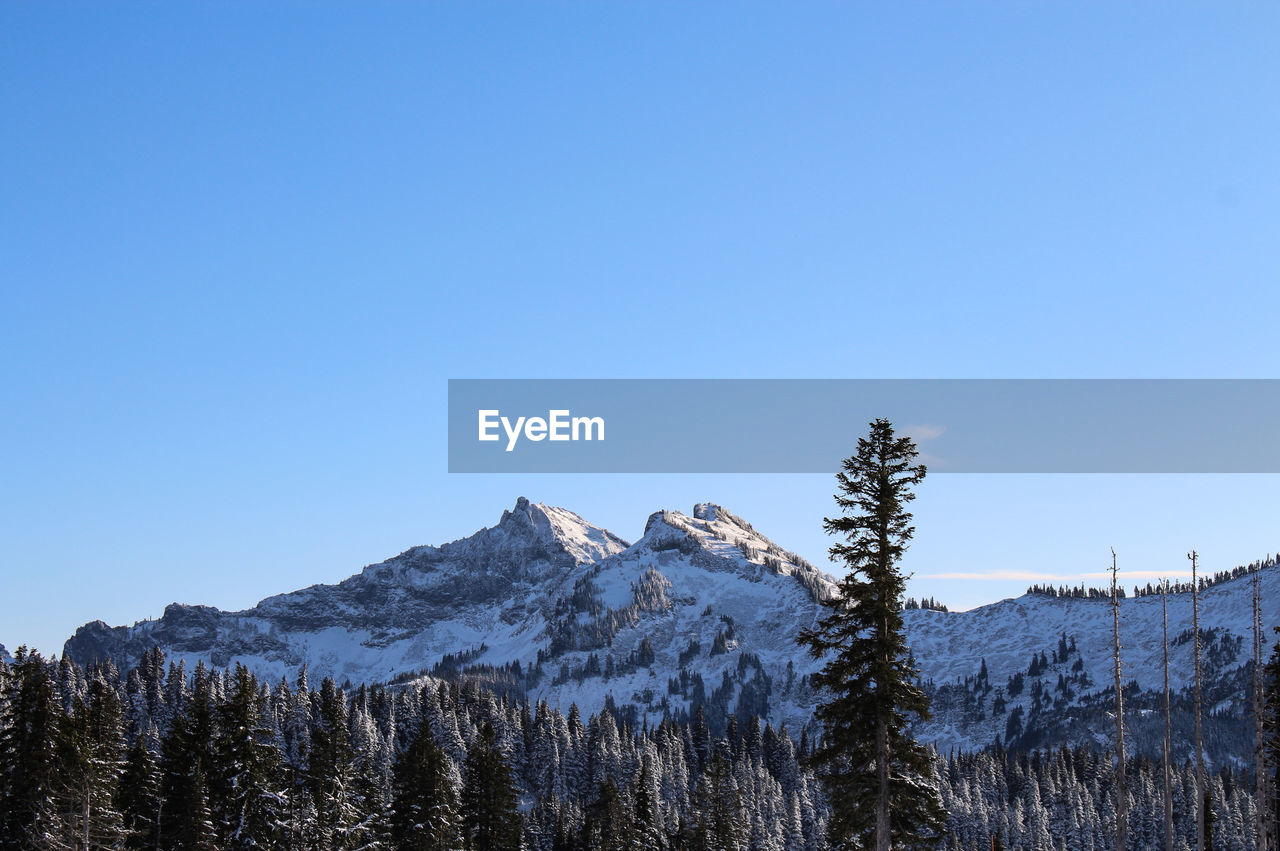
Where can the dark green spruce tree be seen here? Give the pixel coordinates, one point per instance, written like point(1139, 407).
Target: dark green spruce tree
point(649, 835)
point(91, 753)
point(424, 805)
point(490, 815)
point(608, 825)
point(140, 801)
point(28, 753)
point(332, 772)
point(186, 764)
point(876, 775)
point(719, 820)
point(249, 800)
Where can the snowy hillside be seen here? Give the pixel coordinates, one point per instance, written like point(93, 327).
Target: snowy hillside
point(702, 612)
point(1073, 675)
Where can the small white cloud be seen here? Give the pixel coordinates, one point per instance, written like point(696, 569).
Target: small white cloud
point(1073, 578)
point(1140, 574)
point(924, 432)
point(995, 576)
point(933, 462)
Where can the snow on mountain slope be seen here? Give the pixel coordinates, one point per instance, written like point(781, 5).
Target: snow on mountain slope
point(702, 612)
point(397, 616)
point(951, 644)
point(1075, 685)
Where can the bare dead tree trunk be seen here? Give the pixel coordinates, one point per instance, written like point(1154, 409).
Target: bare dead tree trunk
point(1195, 629)
point(1168, 726)
point(1122, 792)
point(1259, 756)
point(84, 815)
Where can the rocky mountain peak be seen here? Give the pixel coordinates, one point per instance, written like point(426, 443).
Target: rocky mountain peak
point(706, 511)
point(525, 515)
point(557, 529)
point(708, 523)
point(710, 513)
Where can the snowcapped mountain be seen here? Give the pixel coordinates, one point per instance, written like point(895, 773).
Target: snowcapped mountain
point(401, 615)
point(702, 612)
point(586, 615)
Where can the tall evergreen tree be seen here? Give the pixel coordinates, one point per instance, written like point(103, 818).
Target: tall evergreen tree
point(424, 804)
point(490, 816)
point(249, 804)
point(90, 762)
point(186, 761)
point(876, 774)
point(28, 752)
point(372, 765)
point(719, 819)
point(331, 772)
point(608, 824)
point(295, 730)
point(139, 798)
point(197, 832)
point(648, 823)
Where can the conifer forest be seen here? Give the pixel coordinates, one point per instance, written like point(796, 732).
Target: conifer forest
point(162, 757)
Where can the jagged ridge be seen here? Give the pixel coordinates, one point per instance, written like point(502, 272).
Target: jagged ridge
point(701, 611)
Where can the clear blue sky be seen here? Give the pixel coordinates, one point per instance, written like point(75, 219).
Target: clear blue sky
point(244, 245)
